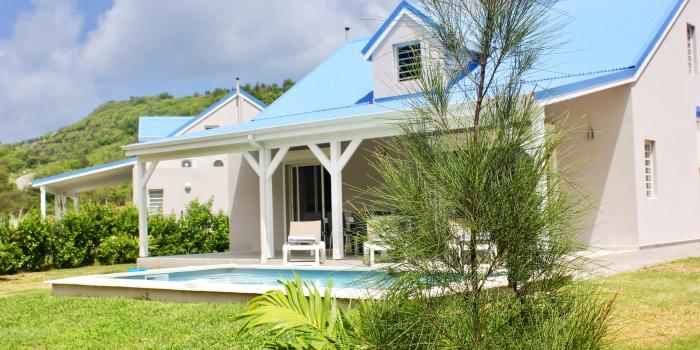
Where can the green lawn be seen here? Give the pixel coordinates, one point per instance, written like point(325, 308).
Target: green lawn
point(658, 308)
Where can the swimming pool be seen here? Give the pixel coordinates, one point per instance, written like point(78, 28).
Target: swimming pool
point(359, 279)
point(221, 283)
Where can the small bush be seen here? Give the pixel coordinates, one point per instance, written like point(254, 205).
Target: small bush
point(33, 236)
point(10, 258)
point(118, 249)
point(106, 234)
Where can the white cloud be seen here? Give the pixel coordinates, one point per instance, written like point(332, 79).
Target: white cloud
point(142, 47)
point(42, 86)
point(217, 39)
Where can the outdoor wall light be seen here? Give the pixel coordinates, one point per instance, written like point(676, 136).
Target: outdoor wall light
point(591, 133)
point(188, 187)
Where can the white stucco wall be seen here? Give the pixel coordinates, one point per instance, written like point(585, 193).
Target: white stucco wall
point(664, 101)
point(602, 167)
point(207, 182)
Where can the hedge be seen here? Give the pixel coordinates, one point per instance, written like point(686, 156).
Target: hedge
point(106, 234)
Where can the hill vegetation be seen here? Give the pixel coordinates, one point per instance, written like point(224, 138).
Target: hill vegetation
point(97, 139)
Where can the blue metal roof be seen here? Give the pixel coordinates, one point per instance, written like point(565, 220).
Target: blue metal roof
point(95, 168)
point(151, 128)
point(215, 106)
point(605, 42)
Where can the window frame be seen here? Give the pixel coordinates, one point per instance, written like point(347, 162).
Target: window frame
point(157, 208)
point(691, 48)
point(649, 165)
point(414, 73)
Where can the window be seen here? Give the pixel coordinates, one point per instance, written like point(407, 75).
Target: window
point(690, 46)
point(209, 127)
point(218, 163)
point(186, 163)
point(408, 61)
point(155, 201)
point(650, 168)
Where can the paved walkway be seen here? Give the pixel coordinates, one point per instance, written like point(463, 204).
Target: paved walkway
point(605, 262)
point(624, 261)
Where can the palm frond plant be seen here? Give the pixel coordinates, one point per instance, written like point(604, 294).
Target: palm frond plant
point(300, 317)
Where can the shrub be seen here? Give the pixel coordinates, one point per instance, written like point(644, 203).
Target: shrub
point(118, 249)
point(197, 231)
point(573, 318)
point(10, 258)
point(164, 236)
point(107, 234)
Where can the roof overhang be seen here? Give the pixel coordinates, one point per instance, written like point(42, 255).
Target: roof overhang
point(365, 126)
point(89, 178)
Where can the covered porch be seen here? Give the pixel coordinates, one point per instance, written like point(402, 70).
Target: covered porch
point(69, 185)
point(294, 173)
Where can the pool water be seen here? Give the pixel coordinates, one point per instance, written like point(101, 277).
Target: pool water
point(270, 277)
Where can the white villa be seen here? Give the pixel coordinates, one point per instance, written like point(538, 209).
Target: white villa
point(628, 68)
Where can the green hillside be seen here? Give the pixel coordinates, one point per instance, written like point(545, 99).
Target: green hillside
point(98, 139)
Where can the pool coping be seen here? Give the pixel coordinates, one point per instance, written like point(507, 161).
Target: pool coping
point(93, 283)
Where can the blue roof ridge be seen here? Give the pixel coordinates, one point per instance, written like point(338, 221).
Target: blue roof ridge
point(312, 111)
point(573, 75)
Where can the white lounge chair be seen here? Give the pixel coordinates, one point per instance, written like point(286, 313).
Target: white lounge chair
point(304, 236)
point(463, 236)
point(373, 243)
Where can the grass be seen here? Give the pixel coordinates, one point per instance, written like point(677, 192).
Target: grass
point(30, 318)
point(658, 308)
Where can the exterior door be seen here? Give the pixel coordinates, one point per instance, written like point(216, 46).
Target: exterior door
point(308, 193)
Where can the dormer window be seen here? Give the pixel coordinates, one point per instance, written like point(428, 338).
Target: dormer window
point(408, 61)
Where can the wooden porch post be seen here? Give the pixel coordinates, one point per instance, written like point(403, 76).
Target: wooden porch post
point(265, 167)
point(141, 200)
point(335, 164)
point(42, 201)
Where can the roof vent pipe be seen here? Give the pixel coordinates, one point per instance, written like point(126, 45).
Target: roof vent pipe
point(239, 118)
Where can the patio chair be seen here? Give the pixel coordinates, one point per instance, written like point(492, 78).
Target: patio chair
point(373, 243)
point(463, 237)
point(304, 236)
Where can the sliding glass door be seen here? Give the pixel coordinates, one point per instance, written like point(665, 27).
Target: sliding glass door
point(308, 193)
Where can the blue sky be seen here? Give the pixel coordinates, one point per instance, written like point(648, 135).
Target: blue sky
point(59, 59)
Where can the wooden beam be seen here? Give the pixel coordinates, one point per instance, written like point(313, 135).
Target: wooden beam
point(321, 157)
point(149, 171)
point(349, 151)
point(253, 163)
point(277, 160)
